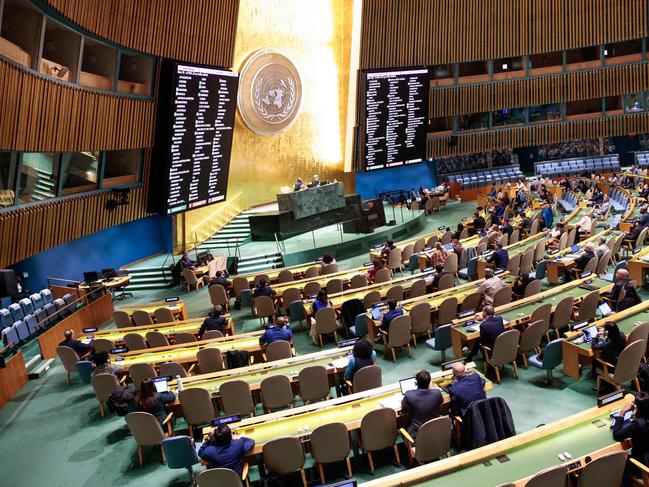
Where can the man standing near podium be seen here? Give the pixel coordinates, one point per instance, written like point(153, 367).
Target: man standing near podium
point(315, 182)
point(298, 185)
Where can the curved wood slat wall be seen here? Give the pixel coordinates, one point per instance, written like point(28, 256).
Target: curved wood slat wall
point(423, 32)
point(201, 31)
point(40, 114)
point(30, 230)
point(539, 134)
point(581, 85)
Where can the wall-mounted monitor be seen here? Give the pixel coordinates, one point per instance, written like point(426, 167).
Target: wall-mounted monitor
point(193, 137)
point(394, 123)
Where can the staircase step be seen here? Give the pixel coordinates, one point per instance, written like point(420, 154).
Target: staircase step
point(260, 256)
point(43, 367)
point(33, 360)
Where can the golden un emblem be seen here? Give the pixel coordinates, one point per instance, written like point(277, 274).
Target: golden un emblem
point(270, 92)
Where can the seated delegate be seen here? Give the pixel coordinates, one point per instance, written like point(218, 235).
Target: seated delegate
point(148, 400)
point(363, 355)
point(276, 332)
point(103, 365)
point(392, 313)
point(465, 389)
point(490, 328)
point(421, 404)
point(263, 289)
point(224, 450)
point(76, 345)
point(215, 320)
point(636, 429)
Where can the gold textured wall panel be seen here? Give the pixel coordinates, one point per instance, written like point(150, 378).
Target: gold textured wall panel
point(423, 32)
point(316, 35)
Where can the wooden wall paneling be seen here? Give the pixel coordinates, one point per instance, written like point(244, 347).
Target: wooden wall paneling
point(12, 377)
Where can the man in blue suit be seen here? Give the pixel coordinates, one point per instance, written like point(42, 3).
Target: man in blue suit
point(490, 327)
point(421, 404)
point(465, 389)
point(279, 331)
point(390, 315)
point(500, 257)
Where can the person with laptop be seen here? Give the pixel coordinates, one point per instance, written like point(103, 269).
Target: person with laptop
point(149, 400)
point(439, 255)
point(186, 262)
point(490, 286)
point(393, 312)
point(76, 345)
point(465, 389)
point(222, 449)
point(499, 257)
point(581, 261)
point(280, 330)
point(490, 327)
point(421, 404)
point(609, 345)
point(615, 294)
point(629, 299)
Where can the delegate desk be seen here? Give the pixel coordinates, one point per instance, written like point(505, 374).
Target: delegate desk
point(426, 254)
point(116, 335)
point(556, 264)
point(312, 201)
point(576, 354)
point(335, 361)
point(518, 312)
point(298, 272)
point(186, 352)
point(638, 266)
point(301, 421)
point(109, 283)
point(585, 435)
point(345, 276)
point(176, 307)
point(514, 249)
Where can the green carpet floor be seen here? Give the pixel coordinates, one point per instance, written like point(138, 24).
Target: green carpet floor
point(52, 433)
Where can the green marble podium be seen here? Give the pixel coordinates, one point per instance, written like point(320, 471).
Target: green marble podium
point(312, 201)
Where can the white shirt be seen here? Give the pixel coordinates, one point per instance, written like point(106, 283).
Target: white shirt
point(601, 250)
point(585, 223)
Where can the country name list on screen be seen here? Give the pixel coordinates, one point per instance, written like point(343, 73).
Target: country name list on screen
point(396, 103)
point(201, 137)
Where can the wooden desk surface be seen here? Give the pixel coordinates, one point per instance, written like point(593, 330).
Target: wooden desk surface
point(582, 434)
point(345, 276)
point(109, 283)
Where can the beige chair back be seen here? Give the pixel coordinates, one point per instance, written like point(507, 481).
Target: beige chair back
point(311, 272)
point(641, 238)
point(419, 245)
point(141, 372)
point(407, 251)
point(239, 284)
point(640, 332)
point(122, 319)
point(314, 383)
point(157, 339)
point(505, 348)
point(382, 275)
point(218, 295)
point(185, 337)
point(379, 429)
point(433, 439)
point(532, 288)
point(173, 369)
point(223, 477)
point(197, 405)
point(420, 318)
point(447, 281)
point(210, 334)
point(236, 398)
point(278, 350)
point(534, 229)
point(417, 288)
point(103, 385)
point(563, 241)
point(190, 277)
point(531, 338)
point(102, 345)
point(283, 455)
point(358, 281)
point(605, 470)
point(504, 240)
point(367, 378)
point(334, 286)
point(465, 234)
point(142, 318)
point(330, 269)
point(145, 428)
point(163, 315)
point(325, 321)
point(591, 266)
point(588, 306)
point(628, 362)
point(472, 301)
point(312, 287)
point(276, 392)
point(211, 269)
point(259, 277)
point(572, 235)
point(135, 341)
point(542, 313)
point(514, 236)
point(264, 306)
point(289, 295)
point(399, 332)
point(514, 264)
point(602, 264)
point(284, 276)
point(447, 311)
point(539, 250)
point(371, 298)
point(394, 259)
point(526, 261)
point(562, 314)
point(330, 443)
point(503, 296)
point(450, 264)
point(550, 477)
point(210, 360)
point(395, 293)
point(447, 238)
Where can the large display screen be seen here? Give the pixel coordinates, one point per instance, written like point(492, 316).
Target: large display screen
point(202, 110)
point(395, 117)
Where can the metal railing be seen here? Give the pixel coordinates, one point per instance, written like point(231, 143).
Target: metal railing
point(224, 215)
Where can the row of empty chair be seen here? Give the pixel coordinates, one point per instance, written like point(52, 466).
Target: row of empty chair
point(578, 165)
point(488, 177)
point(25, 318)
point(618, 199)
point(568, 201)
point(642, 159)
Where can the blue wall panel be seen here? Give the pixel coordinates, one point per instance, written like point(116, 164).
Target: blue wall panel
point(113, 247)
point(368, 184)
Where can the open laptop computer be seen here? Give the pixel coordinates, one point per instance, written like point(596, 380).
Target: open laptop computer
point(161, 383)
point(589, 333)
point(376, 313)
point(408, 384)
point(605, 309)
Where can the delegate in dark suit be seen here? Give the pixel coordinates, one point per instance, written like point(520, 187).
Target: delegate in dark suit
point(76, 345)
point(500, 258)
point(490, 329)
point(464, 392)
point(420, 405)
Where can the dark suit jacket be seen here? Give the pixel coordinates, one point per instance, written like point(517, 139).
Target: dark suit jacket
point(490, 329)
point(638, 431)
point(478, 223)
point(76, 345)
point(420, 405)
point(464, 392)
point(500, 258)
point(583, 259)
